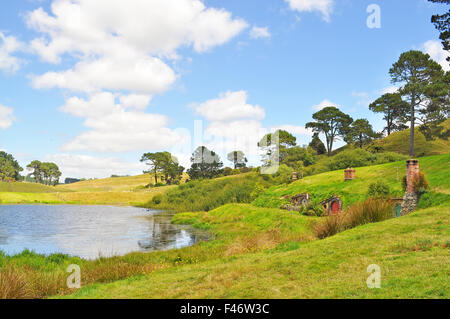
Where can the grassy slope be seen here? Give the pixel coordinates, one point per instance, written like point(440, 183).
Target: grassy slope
point(412, 252)
point(399, 142)
point(436, 168)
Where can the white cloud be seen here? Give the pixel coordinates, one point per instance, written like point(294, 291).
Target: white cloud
point(293, 129)
point(323, 6)
point(114, 128)
point(6, 117)
point(136, 74)
point(325, 103)
point(259, 32)
point(230, 106)
point(85, 166)
point(99, 27)
point(9, 45)
point(391, 90)
point(437, 53)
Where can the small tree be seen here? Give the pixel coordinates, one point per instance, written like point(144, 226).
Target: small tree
point(205, 164)
point(35, 167)
point(331, 122)
point(317, 145)
point(394, 109)
point(285, 141)
point(7, 171)
point(156, 162)
point(238, 158)
point(360, 133)
point(8, 158)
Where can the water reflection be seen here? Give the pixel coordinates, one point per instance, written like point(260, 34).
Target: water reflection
point(89, 231)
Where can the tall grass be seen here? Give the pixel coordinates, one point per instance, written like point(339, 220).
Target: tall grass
point(370, 211)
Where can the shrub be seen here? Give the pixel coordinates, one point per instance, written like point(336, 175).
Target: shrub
point(313, 209)
point(379, 189)
point(159, 184)
point(369, 211)
point(328, 227)
point(157, 199)
point(420, 182)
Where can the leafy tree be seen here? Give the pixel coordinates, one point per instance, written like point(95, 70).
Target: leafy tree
point(419, 75)
point(205, 164)
point(238, 158)
point(394, 109)
point(276, 143)
point(171, 170)
point(442, 23)
point(35, 167)
point(7, 171)
point(331, 122)
point(317, 145)
point(44, 173)
point(156, 162)
point(297, 157)
point(438, 109)
point(360, 133)
point(13, 163)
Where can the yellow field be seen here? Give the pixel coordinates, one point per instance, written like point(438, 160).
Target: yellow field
point(123, 191)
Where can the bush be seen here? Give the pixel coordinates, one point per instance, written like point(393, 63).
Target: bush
point(379, 189)
point(157, 199)
point(420, 182)
point(369, 211)
point(313, 209)
point(159, 184)
point(433, 199)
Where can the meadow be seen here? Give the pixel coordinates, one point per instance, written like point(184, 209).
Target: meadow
point(260, 252)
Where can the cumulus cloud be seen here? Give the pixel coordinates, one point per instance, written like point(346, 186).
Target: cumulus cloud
point(437, 53)
point(142, 74)
point(121, 62)
point(323, 6)
point(6, 117)
point(9, 45)
point(325, 103)
point(230, 106)
point(85, 166)
point(98, 26)
point(114, 128)
point(259, 32)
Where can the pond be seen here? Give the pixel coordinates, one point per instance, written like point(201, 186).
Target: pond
point(89, 231)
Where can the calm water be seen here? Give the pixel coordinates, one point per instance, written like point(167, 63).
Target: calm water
point(88, 231)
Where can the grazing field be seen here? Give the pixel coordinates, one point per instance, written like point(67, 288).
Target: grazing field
point(24, 187)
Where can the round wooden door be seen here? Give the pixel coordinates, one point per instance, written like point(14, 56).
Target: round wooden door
point(335, 208)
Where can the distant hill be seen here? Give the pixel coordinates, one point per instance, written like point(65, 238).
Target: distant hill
point(399, 142)
point(24, 187)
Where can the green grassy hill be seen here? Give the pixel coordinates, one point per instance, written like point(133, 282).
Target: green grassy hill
point(321, 186)
point(399, 142)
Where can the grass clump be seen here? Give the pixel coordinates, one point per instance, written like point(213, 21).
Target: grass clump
point(370, 211)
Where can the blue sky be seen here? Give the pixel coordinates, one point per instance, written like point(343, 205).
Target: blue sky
point(93, 84)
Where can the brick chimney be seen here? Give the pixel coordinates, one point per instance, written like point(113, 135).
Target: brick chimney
point(294, 176)
point(411, 198)
point(412, 170)
point(350, 174)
